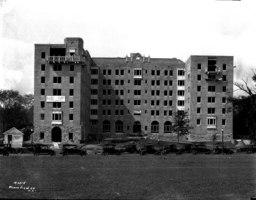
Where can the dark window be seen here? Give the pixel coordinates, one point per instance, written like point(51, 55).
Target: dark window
point(223, 110)
point(94, 81)
point(198, 99)
point(117, 82)
point(198, 121)
point(94, 91)
point(199, 77)
point(71, 79)
point(42, 91)
point(70, 136)
point(121, 82)
point(152, 92)
point(224, 77)
point(198, 110)
point(42, 79)
point(56, 92)
point(165, 72)
point(211, 110)
point(170, 103)
point(170, 112)
point(42, 104)
point(41, 135)
point(199, 88)
point(158, 72)
point(152, 112)
point(224, 66)
point(109, 72)
point(71, 92)
point(152, 72)
point(71, 68)
point(199, 66)
point(42, 116)
point(170, 73)
point(170, 83)
point(56, 79)
point(223, 99)
point(43, 67)
point(94, 111)
point(158, 92)
point(224, 88)
point(43, 55)
point(117, 72)
point(70, 116)
point(57, 68)
point(94, 71)
point(122, 72)
point(71, 104)
point(56, 105)
point(104, 71)
point(158, 82)
point(94, 102)
point(153, 82)
point(211, 88)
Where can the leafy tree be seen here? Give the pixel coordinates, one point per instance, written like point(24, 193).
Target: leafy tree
point(181, 123)
point(244, 109)
point(14, 109)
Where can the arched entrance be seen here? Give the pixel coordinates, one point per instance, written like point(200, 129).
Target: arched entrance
point(56, 134)
point(137, 127)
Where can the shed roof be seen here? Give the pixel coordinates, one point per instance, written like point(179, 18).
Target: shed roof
point(13, 131)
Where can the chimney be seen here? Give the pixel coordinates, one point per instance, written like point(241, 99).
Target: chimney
point(148, 58)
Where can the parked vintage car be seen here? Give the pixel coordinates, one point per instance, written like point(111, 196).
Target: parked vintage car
point(128, 148)
point(10, 149)
point(251, 149)
point(110, 149)
point(218, 150)
point(27, 148)
point(73, 149)
point(3, 151)
point(43, 149)
point(185, 148)
point(92, 148)
point(169, 149)
point(147, 149)
point(200, 149)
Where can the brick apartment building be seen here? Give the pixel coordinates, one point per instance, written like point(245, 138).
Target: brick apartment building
point(76, 95)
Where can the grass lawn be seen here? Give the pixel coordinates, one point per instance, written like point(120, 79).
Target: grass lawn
point(129, 177)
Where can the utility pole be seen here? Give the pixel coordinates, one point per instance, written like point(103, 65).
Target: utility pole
point(222, 133)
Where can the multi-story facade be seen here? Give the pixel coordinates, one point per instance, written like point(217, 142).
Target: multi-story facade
point(209, 82)
point(76, 95)
point(136, 94)
point(61, 92)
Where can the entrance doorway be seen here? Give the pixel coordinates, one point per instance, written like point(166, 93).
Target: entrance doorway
point(56, 134)
point(9, 139)
point(137, 127)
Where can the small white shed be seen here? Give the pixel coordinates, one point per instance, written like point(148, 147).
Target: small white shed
point(14, 137)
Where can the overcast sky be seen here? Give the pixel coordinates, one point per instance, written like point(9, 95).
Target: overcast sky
point(115, 28)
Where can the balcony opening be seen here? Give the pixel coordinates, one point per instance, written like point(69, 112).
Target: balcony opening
point(57, 52)
point(212, 62)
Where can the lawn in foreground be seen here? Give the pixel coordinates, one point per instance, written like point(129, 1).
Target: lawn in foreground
point(129, 177)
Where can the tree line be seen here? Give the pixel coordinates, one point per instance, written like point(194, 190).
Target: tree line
point(15, 110)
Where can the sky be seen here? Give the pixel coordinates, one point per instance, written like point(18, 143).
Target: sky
point(116, 28)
